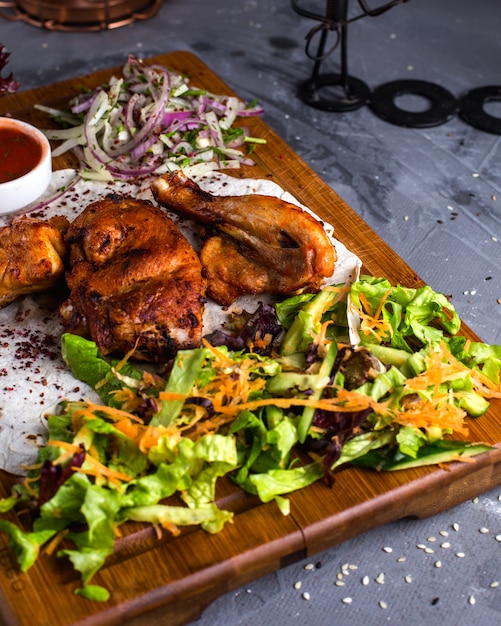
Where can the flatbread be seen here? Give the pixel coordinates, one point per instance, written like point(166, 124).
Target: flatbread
point(33, 376)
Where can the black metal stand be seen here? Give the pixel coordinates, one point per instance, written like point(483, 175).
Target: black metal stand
point(351, 93)
point(339, 92)
point(471, 108)
point(442, 105)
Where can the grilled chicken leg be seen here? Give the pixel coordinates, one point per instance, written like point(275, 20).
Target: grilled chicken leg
point(135, 282)
point(265, 244)
point(31, 256)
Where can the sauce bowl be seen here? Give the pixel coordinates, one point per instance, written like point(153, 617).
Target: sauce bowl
point(25, 164)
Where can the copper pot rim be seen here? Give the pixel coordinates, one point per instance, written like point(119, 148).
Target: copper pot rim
point(79, 15)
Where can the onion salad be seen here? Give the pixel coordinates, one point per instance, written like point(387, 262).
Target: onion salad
point(150, 121)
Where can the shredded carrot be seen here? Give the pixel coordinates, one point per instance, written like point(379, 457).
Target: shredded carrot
point(111, 412)
point(130, 429)
point(100, 470)
point(158, 530)
point(35, 466)
point(127, 398)
point(365, 304)
point(209, 426)
point(148, 439)
point(171, 396)
point(439, 408)
point(373, 323)
point(439, 412)
point(320, 339)
point(171, 527)
point(234, 386)
point(51, 547)
point(26, 482)
point(222, 360)
point(356, 401)
point(71, 449)
point(381, 303)
point(327, 404)
point(443, 367)
point(260, 342)
point(149, 378)
point(121, 363)
point(127, 356)
point(151, 434)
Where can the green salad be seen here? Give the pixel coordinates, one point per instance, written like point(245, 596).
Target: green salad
point(368, 374)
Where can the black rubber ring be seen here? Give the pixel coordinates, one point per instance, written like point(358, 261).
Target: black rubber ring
point(358, 93)
point(471, 108)
point(443, 104)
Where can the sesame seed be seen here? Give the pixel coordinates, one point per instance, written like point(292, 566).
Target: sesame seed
point(306, 596)
point(444, 533)
point(498, 537)
point(475, 174)
point(401, 559)
point(460, 555)
point(494, 238)
point(309, 566)
point(339, 583)
point(380, 578)
point(345, 566)
point(365, 580)
point(494, 584)
point(339, 576)
point(388, 549)
point(429, 550)
point(383, 604)
point(471, 600)
point(406, 218)
point(483, 530)
point(438, 563)
point(455, 526)
point(421, 546)
point(432, 539)
point(475, 500)
point(445, 544)
point(408, 579)
point(347, 600)
point(352, 566)
point(451, 208)
point(298, 584)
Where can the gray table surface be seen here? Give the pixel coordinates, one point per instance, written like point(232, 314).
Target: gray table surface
point(433, 194)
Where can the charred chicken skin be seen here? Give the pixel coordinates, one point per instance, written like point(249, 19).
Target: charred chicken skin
point(264, 244)
point(31, 256)
point(135, 282)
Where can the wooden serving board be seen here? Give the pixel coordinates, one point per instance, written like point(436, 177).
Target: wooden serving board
point(171, 580)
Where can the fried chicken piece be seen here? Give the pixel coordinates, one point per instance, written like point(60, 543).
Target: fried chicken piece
point(135, 282)
point(265, 244)
point(31, 256)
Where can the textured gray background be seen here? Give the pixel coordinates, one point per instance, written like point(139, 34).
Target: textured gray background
point(433, 194)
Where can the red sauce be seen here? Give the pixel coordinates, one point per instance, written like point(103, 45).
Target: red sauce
point(19, 153)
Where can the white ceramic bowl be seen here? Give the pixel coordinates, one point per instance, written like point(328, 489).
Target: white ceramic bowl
point(26, 187)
